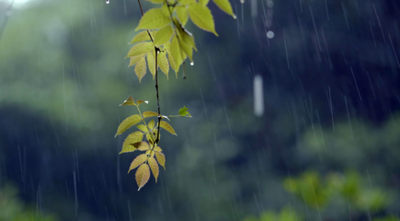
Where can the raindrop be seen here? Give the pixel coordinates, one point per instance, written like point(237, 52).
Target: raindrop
point(191, 63)
point(107, 2)
point(258, 96)
point(270, 34)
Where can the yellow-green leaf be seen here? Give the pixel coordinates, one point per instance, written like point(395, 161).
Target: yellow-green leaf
point(156, 1)
point(151, 63)
point(173, 64)
point(147, 114)
point(154, 167)
point(142, 36)
point(150, 153)
point(151, 124)
point(142, 175)
point(140, 69)
point(150, 138)
point(184, 111)
point(142, 127)
point(132, 138)
point(141, 102)
point(181, 12)
point(137, 161)
point(163, 62)
point(225, 6)
point(176, 53)
point(140, 49)
point(165, 10)
point(202, 17)
point(204, 2)
point(186, 2)
point(128, 101)
point(127, 123)
point(187, 49)
point(167, 127)
point(133, 60)
point(142, 146)
point(163, 35)
point(161, 159)
point(188, 38)
point(153, 19)
point(157, 148)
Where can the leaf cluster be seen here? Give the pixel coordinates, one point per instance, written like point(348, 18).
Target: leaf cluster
point(164, 41)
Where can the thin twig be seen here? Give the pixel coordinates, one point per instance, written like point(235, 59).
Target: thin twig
point(141, 10)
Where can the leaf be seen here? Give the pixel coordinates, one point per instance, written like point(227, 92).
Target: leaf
point(182, 13)
point(142, 146)
point(184, 111)
point(128, 101)
point(161, 159)
point(148, 114)
point(172, 63)
point(188, 38)
point(135, 146)
point(163, 35)
point(186, 49)
point(186, 2)
point(142, 127)
point(149, 138)
point(141, 102)
point(137, 161)
point(157, 148)
point(156, 1)
point(163, 62)
point(151, 124)
point(175, 52)
point(153, 19)
point(165, 117)
point(140, 48)
point(151, 63)
point(133, 60)
point(165, 10)
point(132, 138)
point(154, 167)
point(202, 17)
point(225, 6)
point(204, 2)
point(142, 36)
point(150, 153)
point(166, 126)
point(140, 69)
point(127, 123)
point(142, 175)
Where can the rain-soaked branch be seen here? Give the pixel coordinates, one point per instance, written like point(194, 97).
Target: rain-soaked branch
point(7, 15)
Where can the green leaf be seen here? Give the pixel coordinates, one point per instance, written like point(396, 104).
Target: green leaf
point(141, 102)
point(128, 101)
point(176, 53)
point(135, 59)
point(142, 127)
point(202, 17)
point(153, 19)
point(151, 62)
point(163, 35)
point(161, 159)
point(187, 49)
point(156, 1)
point(186, 2)
point(172, 63)
point(142, 36)
point(140, 49)
point(225, 6)
point(140, 69)
point(135, 146)
point(148, 114)
point(204, 2)
point(188, 38)
point(182, 13)
point(166, 126)
point(163, 62)
point(127, 123)
point(134, 137)
point(184, 111)
point(165, 10)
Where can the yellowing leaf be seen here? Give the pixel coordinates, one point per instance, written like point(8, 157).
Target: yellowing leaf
point(161, 159)
point(163, 62)
point(204, 2)
point(127, 123)
point(140, 48)
point(157, 148)
point(154, 167)
point(132, 138)
point(137, 161)
point(181, 12)
point(140, 69)
point(202, 17)
point(163, 35)
point(142, 127)
point(128, 101)
point(225, 6)
point(156, 1)
point(153, 19)
point(142, 36)
point(167, 127)
point(151, 124)
point(142, 175)
point(147, 114)
point(151, 63)
point(150, 153)
point(133, 60)
point(141, 102)
point(142, 146)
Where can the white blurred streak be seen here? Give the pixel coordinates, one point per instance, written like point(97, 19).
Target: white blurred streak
point(253, 5)
point(258, 96)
